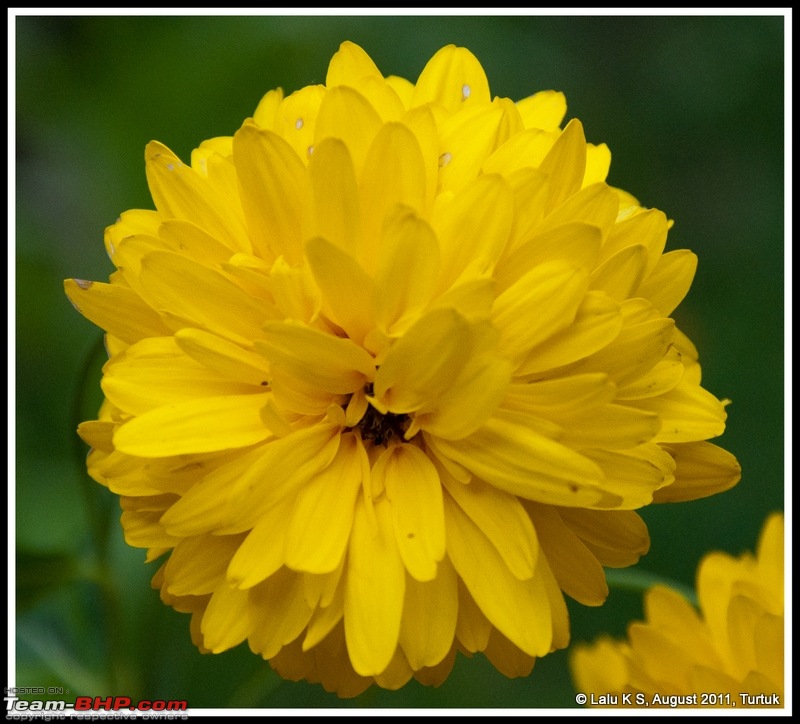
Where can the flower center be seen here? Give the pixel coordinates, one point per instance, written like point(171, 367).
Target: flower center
point(381, 428)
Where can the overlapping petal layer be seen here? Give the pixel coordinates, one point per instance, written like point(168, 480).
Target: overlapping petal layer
point(390, 369)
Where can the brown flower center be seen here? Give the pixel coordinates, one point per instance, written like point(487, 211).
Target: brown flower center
point(381, 428)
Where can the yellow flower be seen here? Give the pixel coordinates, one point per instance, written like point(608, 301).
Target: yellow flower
point(729, 654)
point(390, 369)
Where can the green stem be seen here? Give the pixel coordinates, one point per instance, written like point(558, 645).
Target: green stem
point(94, 505)
point(634, 579)
point(99, 514)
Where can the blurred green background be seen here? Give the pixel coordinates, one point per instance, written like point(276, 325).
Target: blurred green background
point(692, 109)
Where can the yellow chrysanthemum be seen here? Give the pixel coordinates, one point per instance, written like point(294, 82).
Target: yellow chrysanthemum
point(390, 369)
point(729, 654)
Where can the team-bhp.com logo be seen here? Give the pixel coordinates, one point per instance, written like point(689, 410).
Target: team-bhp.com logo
point(95, 703)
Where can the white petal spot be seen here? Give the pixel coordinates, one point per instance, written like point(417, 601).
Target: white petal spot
point(298, 124)
point(83, 284)
point(170, 167)
point(444, 159)
point(465, 91)
point(310, 150)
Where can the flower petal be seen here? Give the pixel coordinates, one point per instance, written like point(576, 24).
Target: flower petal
point(473, 226)
point(264, 115)
point(100, 303)
point(545, 110)
point(503, 520)
point(413, 488)
point(565, 164)
point(648, 228)
point(467, 140)
point(201, 296)
point(472, 299)
point(130, 223)
point(325, 618)
point(351, 66)
point(262, 552)
point(430, 611)
point(274, 192)
point(226, 622)
point(296, 117)
point(472, 628)
point(673, 616)
point(631, 477)
point(688, 413)
point(620, 275)
point(155, 371)
point(662, 378)
point(523, 150)
point(670, 280)
point(122, 474)
point(320, 523)
point(293, 289)
point(635, 351)
point(347, 115)
point(597, 205)
point(703, 469)
point(657, 656)
point(770, 552)
point(281, 612)
point(234, 496)
point(403, 87)
point(598, 163)
point(408, 268)
point(223, 357)
point(600, 668)
point(575, 243)
point(617, 538)
point(558, 607)
point(507, 658)
point(337, 210)
point(397, 674)
point(375, 586)
point(597, 322)
point(190, 239)
point(504, 599)
point(347, 290)
point(393, 174)
point(141, 521)
point(474, 393)
point(181, 192)
point(195, 426)
point(769, 641)
point(577, 571)
point(454, 78)
point(197, 564)
point(422, 362)
point(97, 434)
point(514, 458)
point(330, 363)
point(613, 427)
point(421, 122)
point(542, 303)
point(561, 397)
